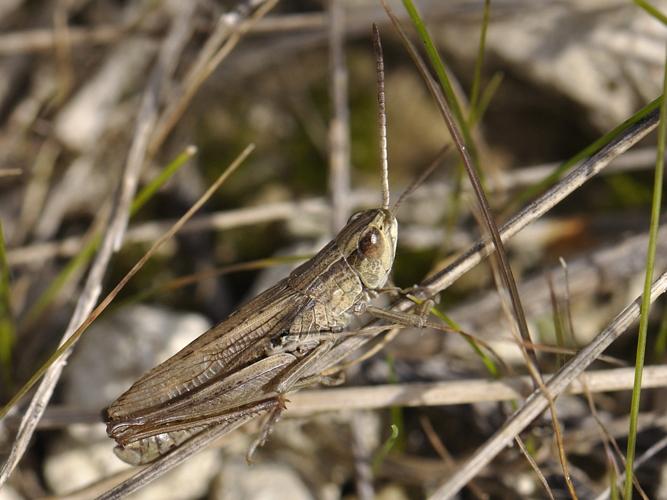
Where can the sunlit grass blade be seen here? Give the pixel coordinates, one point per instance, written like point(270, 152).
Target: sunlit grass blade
point(558, 322)
point(99, 309)
point(397, 440)
point(479, 63)
point(7, 329)
point(387, 446)
point(646, 297)
point(477, 113)
point(489, 364)
point(450, 96)
point(86, 253)
point(438, 66)
point(46, 298)
point(526, 195)
point(652, 10)
point(167, 173)
point(441, 73)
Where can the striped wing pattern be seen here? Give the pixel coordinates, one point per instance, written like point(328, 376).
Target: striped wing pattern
point(208, 360)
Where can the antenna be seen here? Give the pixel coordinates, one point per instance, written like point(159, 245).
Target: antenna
point(382, 116)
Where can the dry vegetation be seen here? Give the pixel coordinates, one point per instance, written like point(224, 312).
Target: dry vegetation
point(96, 98)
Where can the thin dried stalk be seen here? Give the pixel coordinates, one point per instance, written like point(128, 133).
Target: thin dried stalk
point(641, 460)
point(110, 243)
point(309, 402)
point(533, 211)
point(42, 40)
point(149, 231)
point(536, 403)
point(535, 467)
point(339, 126)
point(229, 31)
point(10, 172)
point(457, 392)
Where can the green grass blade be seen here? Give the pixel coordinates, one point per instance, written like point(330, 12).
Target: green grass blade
point(589, 150)
point(7, 329)
point(464, 125)
point(487, 96)
point(646, 297)
point(559, 330)
point(441, 73)
point(386, 448)
point(661, 339)
point(167, 173)
point(652, 10)
point(479, 62)
point(82, 258)
point(489, 364)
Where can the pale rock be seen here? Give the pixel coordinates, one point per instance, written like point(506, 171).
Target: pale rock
point(114, 353)
point(391, 492)
point(72, 465)
point(605, 55)
point(238, 481)
point(9, 493)
point(118, 350)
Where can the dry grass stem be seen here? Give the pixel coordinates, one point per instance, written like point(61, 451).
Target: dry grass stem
point(339, 126)
point(96, 96)
point(10, 172)
point(482, 248)
point(85, 304)
point(229, 31)
point(536, 403)
point(110, 243)
point(289, 210)
point(465, 391)
point(533, 465)
point(458, 392)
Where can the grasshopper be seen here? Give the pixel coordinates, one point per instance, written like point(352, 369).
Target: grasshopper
point(273, 344)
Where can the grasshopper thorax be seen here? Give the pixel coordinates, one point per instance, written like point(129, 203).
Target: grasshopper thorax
point(368, 243)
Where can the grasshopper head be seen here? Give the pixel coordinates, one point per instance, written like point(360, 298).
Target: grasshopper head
point(368, 242)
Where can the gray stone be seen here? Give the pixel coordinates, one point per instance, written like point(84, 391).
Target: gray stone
point(112, 355)
point(9, 493)
point(604, 54)
point(239, 481)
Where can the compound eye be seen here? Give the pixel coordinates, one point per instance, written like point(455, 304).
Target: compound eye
point(371, 243)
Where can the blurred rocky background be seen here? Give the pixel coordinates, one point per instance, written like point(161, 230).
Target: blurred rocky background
point(556, 76)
